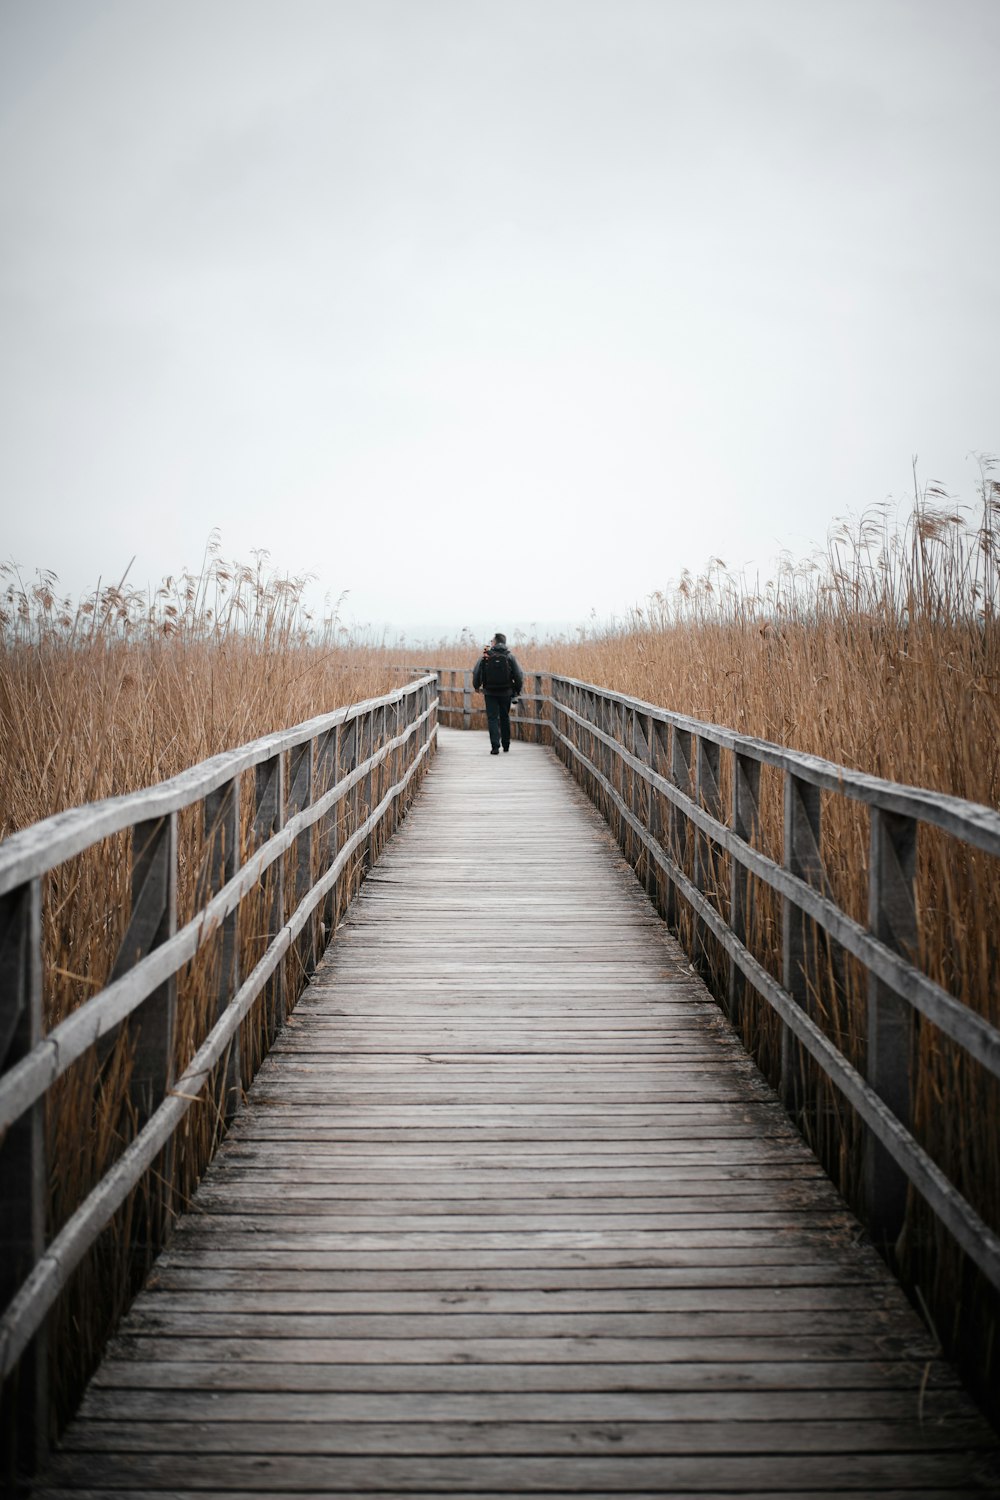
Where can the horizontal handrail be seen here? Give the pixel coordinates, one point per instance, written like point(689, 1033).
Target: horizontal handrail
point(103, 1012)
point(972, 822)
point(35, 850)
point(966, 1027)
point(29, 1307)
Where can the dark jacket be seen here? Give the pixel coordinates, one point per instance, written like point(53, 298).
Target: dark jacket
point(516, 673)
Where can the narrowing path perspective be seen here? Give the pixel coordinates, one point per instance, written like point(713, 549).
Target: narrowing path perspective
point(510, 1211)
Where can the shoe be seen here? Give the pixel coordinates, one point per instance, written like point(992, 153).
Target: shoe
point(506, 748)
point(494, 752)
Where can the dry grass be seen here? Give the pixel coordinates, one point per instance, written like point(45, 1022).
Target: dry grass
point(124, 690)
point(883, 654)
point(108, 697)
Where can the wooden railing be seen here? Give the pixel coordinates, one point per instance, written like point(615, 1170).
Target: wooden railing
point(684, 800)
point(324, 796)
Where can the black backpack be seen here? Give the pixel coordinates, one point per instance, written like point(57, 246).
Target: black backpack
point(498, 674)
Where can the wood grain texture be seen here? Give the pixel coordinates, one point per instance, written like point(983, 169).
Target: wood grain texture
point(509, 1212)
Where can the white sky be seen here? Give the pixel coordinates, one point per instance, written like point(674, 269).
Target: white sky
point(488, 311)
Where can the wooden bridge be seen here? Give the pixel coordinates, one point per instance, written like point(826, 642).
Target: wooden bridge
point(508, 1208)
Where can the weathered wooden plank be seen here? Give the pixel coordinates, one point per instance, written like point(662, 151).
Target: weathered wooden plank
point(283, 1302)
point(514, 1474)
point(843, 1260)
point(632, 1191)
point(88, 1492)
point(866, 1345)
point(402, 1208)
point(132, 1493)
point(454, 1324)
point(541, 1432)
point(201, 1275)
point(760, 1406)
point(299, 1241)
point(831, 1377)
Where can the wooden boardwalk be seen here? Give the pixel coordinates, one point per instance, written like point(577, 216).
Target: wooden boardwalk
point(510, 1212)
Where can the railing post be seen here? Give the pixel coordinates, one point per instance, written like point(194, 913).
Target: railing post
point(802, 813)
point(745, 825)
point(415, 706)
point(625, 736)
point(221, 813)
point(153, 920)
point(301, 781)
point(467, 700)
point(348, 807)
point(539, 713)
point(327, 772)
point(612, 764)
point(706, 857)
point(367, 783)
point(24, 1421)
point(659, 760)
point(680, 775)
point(378, 779)
point(394, 762)
point(892, 918)
point(554, 718)
point(641, 737)
point(269, 819)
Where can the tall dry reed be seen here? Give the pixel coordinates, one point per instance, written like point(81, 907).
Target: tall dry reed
point(126, 688)
point(106, 697)
point(881, 653)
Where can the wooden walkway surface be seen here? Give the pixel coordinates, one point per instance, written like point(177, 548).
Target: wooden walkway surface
point(510, 1212)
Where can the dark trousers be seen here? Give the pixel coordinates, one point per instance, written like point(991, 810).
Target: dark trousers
point(498, 719)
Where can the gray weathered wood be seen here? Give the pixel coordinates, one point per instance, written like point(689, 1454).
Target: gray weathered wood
point(152, 1026)
point(802, 858)
point(25, 1314)
point(97, 1017)
point(972, 1031)
point(708, 793)
point(327, 773)
point(269, 819)
point(24, 1410)
point(301, 791)
point(892, 917)
point(678, 825)
point(970, 821)
point(745, 826)
point(37, 849)
point(365, 1209)
point(221, 813)
point(412, 1266)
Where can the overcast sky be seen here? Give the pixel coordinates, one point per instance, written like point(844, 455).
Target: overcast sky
point(488, 311)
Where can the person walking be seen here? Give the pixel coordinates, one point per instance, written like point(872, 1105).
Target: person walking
point(499, 678)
